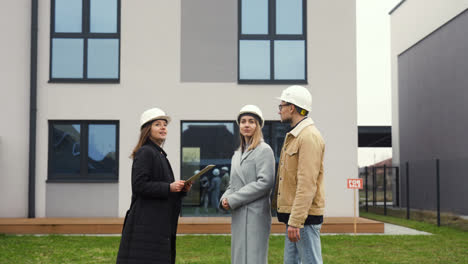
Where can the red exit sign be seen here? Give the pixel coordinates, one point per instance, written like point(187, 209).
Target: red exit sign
point(355, 183)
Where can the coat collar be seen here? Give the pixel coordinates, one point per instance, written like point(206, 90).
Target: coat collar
point(245, 155)
point(151, 143)
point(300, 126)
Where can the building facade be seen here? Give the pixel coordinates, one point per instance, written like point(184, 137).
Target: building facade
point(429, 81)
point(100, 64)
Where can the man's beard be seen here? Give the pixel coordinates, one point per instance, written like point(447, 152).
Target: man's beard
point(286, 121)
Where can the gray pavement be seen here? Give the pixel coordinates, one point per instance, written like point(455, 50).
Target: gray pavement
point(390, 229)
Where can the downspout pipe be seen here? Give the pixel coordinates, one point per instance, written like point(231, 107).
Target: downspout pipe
point(33, 112)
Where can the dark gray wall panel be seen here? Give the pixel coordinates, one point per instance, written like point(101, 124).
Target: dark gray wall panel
point(433, 114)
point(209, 41)
point(82, 199)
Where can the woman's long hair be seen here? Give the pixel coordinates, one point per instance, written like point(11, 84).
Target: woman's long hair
point(255, 139)
point(145, 133)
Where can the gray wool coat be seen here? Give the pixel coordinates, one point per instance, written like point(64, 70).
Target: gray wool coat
point(248, 194)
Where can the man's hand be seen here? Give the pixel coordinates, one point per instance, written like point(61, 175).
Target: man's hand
point(187, 187)
point(294, 234)
point(225, 204)
point(177, 186)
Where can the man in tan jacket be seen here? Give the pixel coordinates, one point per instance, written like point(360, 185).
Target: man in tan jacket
point(299, 192)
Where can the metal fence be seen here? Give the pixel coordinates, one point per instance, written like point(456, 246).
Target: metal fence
point(421, 190)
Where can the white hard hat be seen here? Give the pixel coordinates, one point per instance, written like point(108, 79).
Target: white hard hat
point(297, 95)
point(251, 109)
point(153, 114)
point(215, 172)
point(225, 168)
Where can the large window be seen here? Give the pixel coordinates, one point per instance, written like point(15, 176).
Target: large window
point(272, 41)
point(214, 142)
point(85, 41)
point(83, 150)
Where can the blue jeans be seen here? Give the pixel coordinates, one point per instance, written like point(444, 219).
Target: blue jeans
point(307, 250)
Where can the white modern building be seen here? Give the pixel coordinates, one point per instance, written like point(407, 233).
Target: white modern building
point(77, 74)
point(429, 53)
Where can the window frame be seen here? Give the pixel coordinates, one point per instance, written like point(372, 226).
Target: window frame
point(85, 35)
point(272, 37)
point(236, 126)
point(83, 176)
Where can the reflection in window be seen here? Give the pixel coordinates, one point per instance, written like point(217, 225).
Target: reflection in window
point(274, 133)
point(83, 150)
point(102, 148)
point(205, 143)
point(65, 149)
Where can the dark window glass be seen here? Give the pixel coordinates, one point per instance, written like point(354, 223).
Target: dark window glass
point(65, 149)
point(204, 143)
point(83, 150)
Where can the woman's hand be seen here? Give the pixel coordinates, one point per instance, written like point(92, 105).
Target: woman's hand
point(187, 187)
point(177, 186)
point(225, 204)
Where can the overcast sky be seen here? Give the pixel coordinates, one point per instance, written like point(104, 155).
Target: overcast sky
point(373, 71)
point(373, 61)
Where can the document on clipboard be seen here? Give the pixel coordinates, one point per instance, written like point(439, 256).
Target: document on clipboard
point(196, 176)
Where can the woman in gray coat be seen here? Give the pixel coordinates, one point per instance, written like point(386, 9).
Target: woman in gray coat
point(248, 194)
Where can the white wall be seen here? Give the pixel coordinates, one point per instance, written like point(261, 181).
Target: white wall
point(332, 79)
point(411, 22)
point(150, 76)
point(15, 20)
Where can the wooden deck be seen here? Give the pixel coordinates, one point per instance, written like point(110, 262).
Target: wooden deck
point(187, 225)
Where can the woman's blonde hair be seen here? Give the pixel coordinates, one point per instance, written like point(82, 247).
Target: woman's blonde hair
point(254, 141)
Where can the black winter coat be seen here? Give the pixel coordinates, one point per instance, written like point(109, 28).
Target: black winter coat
point(150, 226)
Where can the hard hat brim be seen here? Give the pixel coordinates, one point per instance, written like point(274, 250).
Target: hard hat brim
point(167, 118)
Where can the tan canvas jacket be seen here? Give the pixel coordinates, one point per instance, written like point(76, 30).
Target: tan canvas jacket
point(299, 188)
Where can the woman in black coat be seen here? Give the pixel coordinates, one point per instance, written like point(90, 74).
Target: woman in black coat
point(150, 226)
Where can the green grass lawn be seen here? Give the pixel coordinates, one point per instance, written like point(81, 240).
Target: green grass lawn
point(447, 245)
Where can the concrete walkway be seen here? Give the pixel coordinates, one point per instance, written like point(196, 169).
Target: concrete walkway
point(391, 229)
